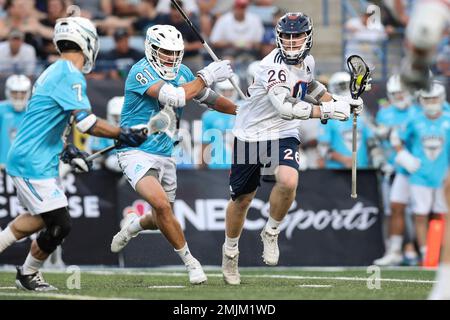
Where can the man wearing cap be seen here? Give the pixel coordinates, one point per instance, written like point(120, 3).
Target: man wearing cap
point(238, 31)
point(17, 56)
point(119, 60)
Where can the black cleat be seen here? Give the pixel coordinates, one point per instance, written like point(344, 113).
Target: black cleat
point(32, 282)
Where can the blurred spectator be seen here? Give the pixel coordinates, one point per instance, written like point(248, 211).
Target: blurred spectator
point(119, 60)
point(126, 8)
point(17, 56)
point(148, 17)
point(206, 16)
point(189, 6)
point(268, 41)
point(222, 7)
point(94, 9)
point(238, 32)
point(23, 16)
point(192, 45)
point(264, 9)
point(55, 9)
point(365, 34)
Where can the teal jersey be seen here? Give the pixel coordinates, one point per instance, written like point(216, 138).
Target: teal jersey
point(429, 142)
point(139, 107)
point(338, 135)
point(215, 126)
point(10, 120)
point(392, 118)
point(59, 90)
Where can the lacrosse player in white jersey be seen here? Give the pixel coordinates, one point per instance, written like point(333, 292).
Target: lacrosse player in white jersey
point(425, 29)
point(267, 134)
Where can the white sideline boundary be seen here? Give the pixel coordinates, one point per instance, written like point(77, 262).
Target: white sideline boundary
point(273, 276)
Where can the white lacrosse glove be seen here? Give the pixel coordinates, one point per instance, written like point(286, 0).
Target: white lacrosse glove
point(355, 104)
point(337, 110)
point(216, 71)
point(407, 161)
point(165, 121)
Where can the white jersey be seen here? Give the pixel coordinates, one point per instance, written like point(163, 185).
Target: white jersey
point(258, 119)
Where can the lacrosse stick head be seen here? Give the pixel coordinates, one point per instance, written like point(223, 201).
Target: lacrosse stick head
point(360, 75)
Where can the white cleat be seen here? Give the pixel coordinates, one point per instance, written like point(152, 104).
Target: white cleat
point(196, 274)
point(121, 239)
point(230, 269)
point(389, 259)
point(271, 253)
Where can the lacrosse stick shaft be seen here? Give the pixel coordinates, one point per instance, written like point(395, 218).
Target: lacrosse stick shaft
point(206, 46)
point(100, 153)
point(354, 151)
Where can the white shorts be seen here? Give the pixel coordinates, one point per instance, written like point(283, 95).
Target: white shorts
point(426, 200)
point(40, 196)
point(400, 189)
point(136, 163)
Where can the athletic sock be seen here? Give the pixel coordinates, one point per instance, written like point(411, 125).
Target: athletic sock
point(7, 238)
point(31, 265)
point(135, 227)
point(232, 244)
point(395, 243)
point(185, 254)
point(272, 225)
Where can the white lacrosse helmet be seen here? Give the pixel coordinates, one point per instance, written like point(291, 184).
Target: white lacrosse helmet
point(164, 50)
point(339, 83)
point(252, 70)
point(433, 100)
point(82, 32)
point(397, 94)
point(18, 91)
point(114, 110)
point(226, 89)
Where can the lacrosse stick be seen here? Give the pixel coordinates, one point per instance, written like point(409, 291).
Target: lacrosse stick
point(359, 82)
point(206, 46)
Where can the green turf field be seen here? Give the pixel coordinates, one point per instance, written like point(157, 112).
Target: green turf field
point(257, 283)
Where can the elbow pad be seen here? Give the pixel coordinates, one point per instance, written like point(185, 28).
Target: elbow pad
point(171, 96)
point(289, 107)
point(207, 97)
point(316, 90)
point(85, 121)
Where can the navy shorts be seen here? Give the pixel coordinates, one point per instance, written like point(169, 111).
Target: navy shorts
point(253, 159)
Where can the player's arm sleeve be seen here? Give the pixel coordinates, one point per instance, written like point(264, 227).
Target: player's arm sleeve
point(71, 93)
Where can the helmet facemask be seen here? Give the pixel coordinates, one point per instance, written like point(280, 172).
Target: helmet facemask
point(433, 100)
point(166, 62)
point(18, 99)
point(401, 99)
point(18, 91)
point(164, 50)
point(432, 106)
point(294, 47)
